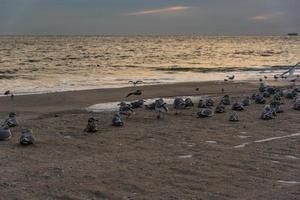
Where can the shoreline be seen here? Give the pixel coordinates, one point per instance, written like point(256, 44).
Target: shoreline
point(79, 99)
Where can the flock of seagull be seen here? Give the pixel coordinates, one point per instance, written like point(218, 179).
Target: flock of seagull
point(10, 122)
point(270, 96)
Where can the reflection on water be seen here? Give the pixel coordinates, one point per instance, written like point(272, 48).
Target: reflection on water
point(39, 64)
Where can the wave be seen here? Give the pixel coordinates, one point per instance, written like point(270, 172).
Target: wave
point(221, 69)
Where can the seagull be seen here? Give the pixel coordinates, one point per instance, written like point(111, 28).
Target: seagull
point(7, 92)
point(160, 108)
point(137, 93)
point(291, 71)
point(231, 77)
point(135, 82)
point(179, 104)
point(125, 109)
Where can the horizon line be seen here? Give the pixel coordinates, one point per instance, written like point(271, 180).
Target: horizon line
point(146, 35)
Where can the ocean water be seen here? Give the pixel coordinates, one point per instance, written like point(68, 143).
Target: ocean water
point(50, 64)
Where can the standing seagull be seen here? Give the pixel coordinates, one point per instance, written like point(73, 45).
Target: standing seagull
point(160, 108)
point(137, 93)
point(179, 104)
point(135, 82)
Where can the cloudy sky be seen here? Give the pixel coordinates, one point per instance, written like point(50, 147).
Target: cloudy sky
point(136, 17)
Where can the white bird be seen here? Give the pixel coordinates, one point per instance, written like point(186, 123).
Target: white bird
point(291, 71)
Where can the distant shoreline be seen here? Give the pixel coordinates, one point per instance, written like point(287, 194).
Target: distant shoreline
point(74, 100)
point(108, 35)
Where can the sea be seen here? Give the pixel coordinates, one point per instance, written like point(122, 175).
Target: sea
point(41, 64)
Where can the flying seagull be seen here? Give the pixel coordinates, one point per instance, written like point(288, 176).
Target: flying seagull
point(137, 93)
point(7, 92)
point(291, 71)
point(135, 82)
point(231, 77)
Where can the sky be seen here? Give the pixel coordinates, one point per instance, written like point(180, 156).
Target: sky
point(149, 17)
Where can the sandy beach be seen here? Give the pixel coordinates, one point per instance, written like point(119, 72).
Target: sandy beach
point(178, 157)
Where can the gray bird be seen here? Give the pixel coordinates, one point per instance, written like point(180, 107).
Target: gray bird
point(297, 104)
point(179, 104)
point(91, 126)
point(26, 137)
point(237, 107)
point(234, 117)
point(117, 120)
point(160, 108)
point(137, 104)
point(205, 112)
point(268, 113)
point(11, 121)
point(125, 109)
point(5, 133)
point(220, 108)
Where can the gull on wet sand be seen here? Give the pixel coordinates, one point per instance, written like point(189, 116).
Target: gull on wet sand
point(234, 117)
point(205, 113)
point(11, 121)
point(136, 93)
point(268, 113)
point(125, 109)
point(5, 133)
point(137, 104)
point(26, 137)
point(91, 126)
point(160, 108)
point(117, 120)
point(220, 108)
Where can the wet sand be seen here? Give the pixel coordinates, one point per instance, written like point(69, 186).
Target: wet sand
point(179, 157)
